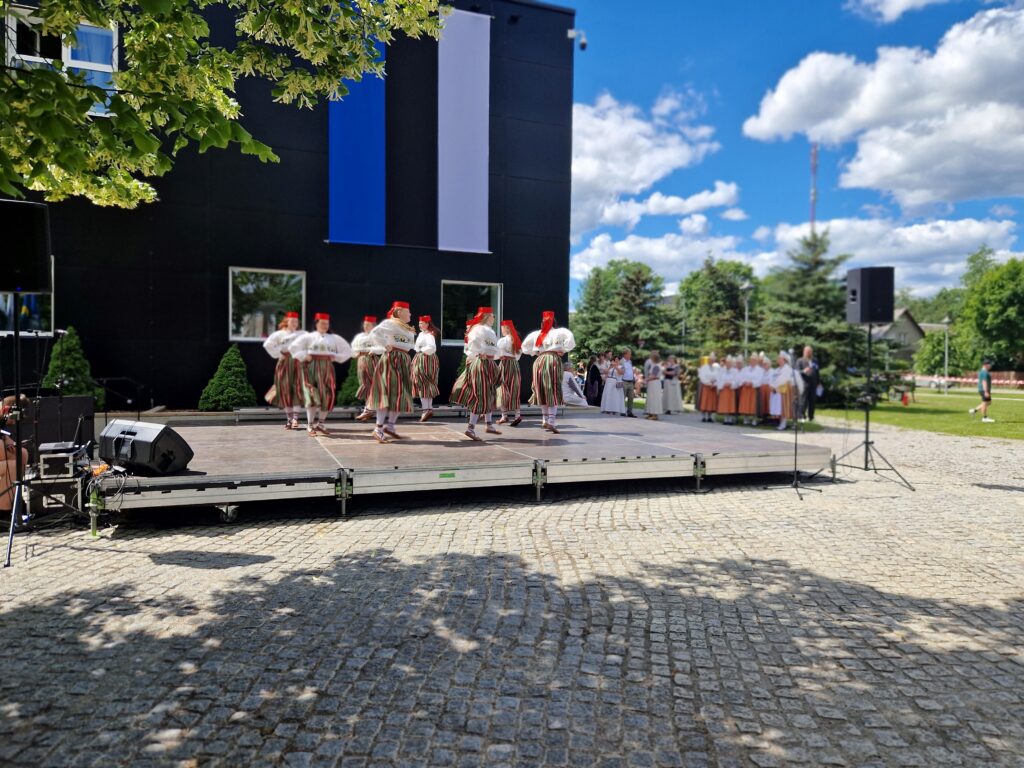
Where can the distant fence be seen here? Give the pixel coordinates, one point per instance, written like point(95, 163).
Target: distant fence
point(1006, 379)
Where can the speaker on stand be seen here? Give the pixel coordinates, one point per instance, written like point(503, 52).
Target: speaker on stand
point(870, 295)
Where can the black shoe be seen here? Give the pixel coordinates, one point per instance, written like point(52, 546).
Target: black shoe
point(631, 415)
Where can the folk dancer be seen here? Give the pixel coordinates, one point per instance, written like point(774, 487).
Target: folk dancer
point(481, 380)
point(548, 345)
point(727, 381)
point(367, 355)
point(318, 351)
point(460, 388)
point(425, 366)
point(510, 379)
point(787, 390)
point(707, 398)
point(391, 393)
point(750, 377)
point(654, 406)
point(288, 371)
point(764, 401)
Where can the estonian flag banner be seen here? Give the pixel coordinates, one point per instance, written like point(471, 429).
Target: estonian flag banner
point(409, 154)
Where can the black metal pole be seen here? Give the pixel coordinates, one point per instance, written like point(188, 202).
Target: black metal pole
point(19, 467)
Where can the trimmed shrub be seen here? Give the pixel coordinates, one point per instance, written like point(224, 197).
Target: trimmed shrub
point(229, 388)
point(69, 368)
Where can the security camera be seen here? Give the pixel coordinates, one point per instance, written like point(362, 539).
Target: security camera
point(580, 35)
point(583, 42)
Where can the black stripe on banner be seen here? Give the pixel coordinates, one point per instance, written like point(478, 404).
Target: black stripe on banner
point(411, 125)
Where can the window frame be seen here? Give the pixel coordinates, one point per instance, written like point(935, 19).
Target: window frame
point(6, 334)
point(498, 310)
point(25, 16)
point(231, 305)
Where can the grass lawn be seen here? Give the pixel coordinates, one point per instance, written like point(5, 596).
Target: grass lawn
point(936, 412)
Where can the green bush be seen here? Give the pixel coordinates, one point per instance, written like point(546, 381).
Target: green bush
point(69, 367)
point(346, 395)
point(229, 388)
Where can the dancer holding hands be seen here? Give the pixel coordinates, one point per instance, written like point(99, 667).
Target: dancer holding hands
point(391, 393)
point(548, 345)
point(288, 371)
point(367, 355)
point(318, 351)
point(425, 366)
point(510, 380)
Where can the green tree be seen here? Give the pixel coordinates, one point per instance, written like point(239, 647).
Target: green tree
point(70, 370)
point(994, 309)
point(621, 306)
point(805, 304)
point(177, 86)
point(930, 358)
point(948, 302)
point(229, 388)
point(710, 302)
point(346, 395)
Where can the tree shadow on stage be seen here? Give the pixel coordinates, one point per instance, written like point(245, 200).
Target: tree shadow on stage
point(480, 660)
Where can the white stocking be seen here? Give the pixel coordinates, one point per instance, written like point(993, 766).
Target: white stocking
point(382, 416)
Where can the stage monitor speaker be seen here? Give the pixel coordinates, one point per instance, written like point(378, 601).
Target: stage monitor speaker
point(869, 295)
point(26, 235)
point(143, 447)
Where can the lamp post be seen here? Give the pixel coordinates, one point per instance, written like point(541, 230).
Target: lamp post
point(945, 365)
point(746, 290)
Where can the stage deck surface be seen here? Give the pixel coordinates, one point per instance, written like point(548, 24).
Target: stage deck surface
point(243, 463)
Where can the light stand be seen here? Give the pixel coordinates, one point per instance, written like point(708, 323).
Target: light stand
point(870, 451)
point(15, 414)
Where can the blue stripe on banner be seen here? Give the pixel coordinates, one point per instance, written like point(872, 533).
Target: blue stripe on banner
point(356, 165)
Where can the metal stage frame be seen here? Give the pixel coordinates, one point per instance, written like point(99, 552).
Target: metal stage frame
point(246, 463)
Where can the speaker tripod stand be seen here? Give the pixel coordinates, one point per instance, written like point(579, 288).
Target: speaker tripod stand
point(871, 452)
point(18, 505)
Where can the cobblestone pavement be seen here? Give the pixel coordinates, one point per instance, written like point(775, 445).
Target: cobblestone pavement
point(635, 625)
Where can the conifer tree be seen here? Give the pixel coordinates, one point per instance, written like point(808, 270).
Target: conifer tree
point(229, 388)
point(69, 369)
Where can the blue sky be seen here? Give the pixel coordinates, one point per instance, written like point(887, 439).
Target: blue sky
point(920, 158)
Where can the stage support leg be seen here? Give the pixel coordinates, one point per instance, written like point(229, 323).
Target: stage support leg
point(228, 512)
point(700, 468)
point(540, 474)
point(343, 490)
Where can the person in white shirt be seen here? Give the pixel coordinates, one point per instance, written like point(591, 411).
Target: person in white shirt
point(318, 351)
point(727, 382)
point(628, 381)
point(707, 398)
point(287, 393)
point(572, 393)
point(425, 366)
point(655, 404)
point(367, 355)
point(750, 388)
point(510, 379)
point(481, 382)
point(391, 393)
point(764, 401)
point(548, 345)
point(787, 389)
point(672, 385)
point(612, 399)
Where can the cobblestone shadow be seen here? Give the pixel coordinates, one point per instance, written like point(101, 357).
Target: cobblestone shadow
point(478, 660)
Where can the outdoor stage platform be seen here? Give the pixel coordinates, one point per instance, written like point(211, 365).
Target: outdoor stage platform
point(245, 463)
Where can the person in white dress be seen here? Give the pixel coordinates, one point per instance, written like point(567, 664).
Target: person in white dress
point(613, 399)
point(317, 352)
point(786, 390)
point(654, 406)
point(548, 344)
point(287, 394)
point(672, 385)
point(707, 395)
point(572, 393)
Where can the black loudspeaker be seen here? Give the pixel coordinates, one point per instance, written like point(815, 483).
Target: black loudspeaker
point(144, 448)
point(869, 295)
point(26, 234)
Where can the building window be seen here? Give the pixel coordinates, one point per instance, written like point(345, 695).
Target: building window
point(35, 313)
point(92, 56)
point(259, 298)
point(459, 301)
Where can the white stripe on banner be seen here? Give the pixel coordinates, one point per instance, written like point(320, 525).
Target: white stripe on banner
point(463, 132)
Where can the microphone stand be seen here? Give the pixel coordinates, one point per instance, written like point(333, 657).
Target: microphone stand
point(797, 484)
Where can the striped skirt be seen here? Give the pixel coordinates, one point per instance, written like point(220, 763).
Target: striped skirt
point(424, 375)
point(366, 366)
point(392, 383)
point(480, 388)
point(727, 400)
point(708, 398)
point(318, 384)
point(460, 389)
point(288, 382)
point(748, 400)
point(547, 380)
point(510, 381)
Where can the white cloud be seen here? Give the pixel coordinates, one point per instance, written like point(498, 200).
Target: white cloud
point(735, 214)
point(930, 127)
point(618, 150)
point(627, 213)
point(1003, 211)
point(697, 224)
point(762, 233)
point(672, 256)
point(925, 255)
point(888, 11)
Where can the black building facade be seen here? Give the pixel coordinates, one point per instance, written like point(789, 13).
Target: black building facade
point(149, 290)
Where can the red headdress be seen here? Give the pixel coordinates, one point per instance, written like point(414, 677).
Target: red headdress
point(425, 319)
point(517, 344)
point(289, 315)
point(546, 324)
point(480, 312)
point(370, 319)
point(321, 316)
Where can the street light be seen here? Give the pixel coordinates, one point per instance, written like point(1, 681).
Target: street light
point(945, 366)
point(746, 289)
